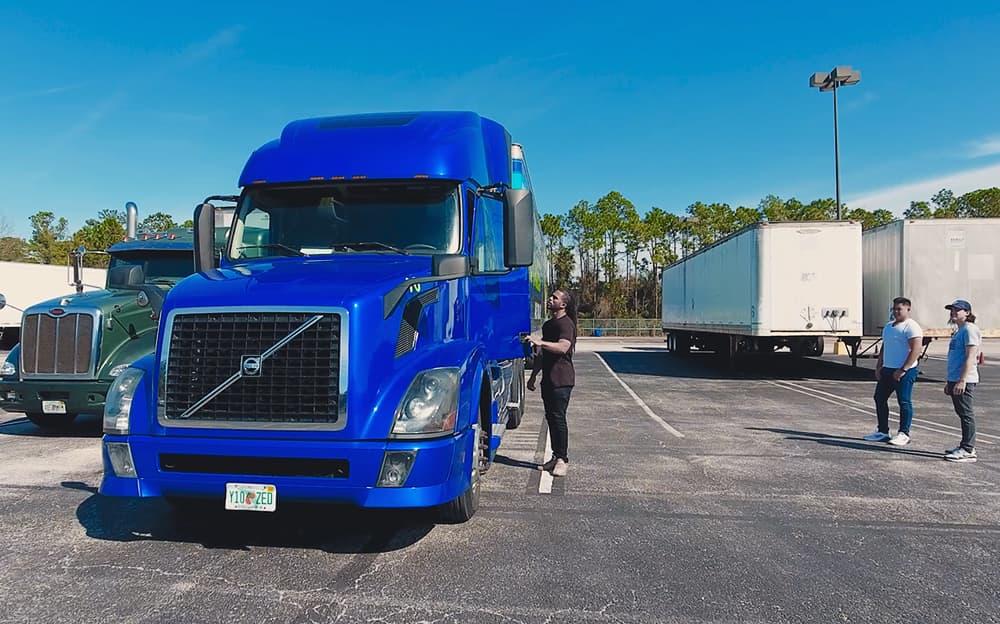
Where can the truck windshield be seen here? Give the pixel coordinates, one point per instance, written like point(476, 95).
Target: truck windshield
point(158, 267)
point(372, 217)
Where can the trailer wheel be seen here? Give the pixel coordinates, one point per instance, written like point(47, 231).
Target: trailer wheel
point(814, 347)
point(682, 343)
point(52, 422)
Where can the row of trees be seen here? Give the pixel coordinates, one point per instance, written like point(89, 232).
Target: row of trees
point(612, 256)
point(51, 242)
point(605, 250)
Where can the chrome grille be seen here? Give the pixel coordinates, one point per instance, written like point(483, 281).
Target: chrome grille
point(63, 346)
point(298, 384)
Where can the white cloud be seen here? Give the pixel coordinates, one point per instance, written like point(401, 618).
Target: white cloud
point(988, 146)
point(897, 198)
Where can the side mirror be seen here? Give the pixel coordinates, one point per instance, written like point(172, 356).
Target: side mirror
point(450, 265)
point(204, 237)
point(3, 301)
point(518, 228)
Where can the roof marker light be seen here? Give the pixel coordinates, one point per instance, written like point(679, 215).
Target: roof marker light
point(258, 182)
point(337, 178)
point(422, 176)
point(314, 178)
point(359, 177)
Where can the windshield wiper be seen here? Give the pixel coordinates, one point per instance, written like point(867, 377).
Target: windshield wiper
point(291, 250)
point(372, 244)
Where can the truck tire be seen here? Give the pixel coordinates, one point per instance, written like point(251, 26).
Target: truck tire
point(682, 343)
point(464, 507)
point(515, 414)
point(816, 347)
point(52, 422)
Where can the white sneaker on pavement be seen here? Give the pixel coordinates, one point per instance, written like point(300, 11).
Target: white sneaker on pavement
point(878, 436)
point(961, 455)
point(561, 468)
point(549, 465)
point(900, 439)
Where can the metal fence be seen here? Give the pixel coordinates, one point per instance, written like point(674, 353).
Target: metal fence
point(620, 327)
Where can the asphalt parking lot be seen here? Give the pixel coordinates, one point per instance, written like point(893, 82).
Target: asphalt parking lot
point(695, 494)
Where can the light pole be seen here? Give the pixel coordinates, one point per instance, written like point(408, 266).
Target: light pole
point(840, 76)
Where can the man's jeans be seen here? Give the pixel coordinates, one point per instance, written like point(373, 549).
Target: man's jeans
point(963, 407)
point(556, 400)
point(904, 395)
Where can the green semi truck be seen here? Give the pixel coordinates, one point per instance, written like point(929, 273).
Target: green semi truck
point(72, 347)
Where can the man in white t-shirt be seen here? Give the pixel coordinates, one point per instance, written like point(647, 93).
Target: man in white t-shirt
point(896, 371)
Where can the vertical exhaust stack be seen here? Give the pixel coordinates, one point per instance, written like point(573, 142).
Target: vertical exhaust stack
point(131, 219)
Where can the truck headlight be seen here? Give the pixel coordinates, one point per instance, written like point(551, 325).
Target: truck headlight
point(119, 401)
point(430, 405)
point(118, 370)
point(7, 369)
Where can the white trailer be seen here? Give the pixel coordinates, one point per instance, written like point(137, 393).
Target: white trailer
point(24, 284)
point(765, 287)
point(932, 262)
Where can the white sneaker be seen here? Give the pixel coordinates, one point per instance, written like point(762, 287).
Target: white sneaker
point(878, 436)
point(900, 439)
point(953, 450)
point(961, 455)
point(561, 468)
point(549, 465)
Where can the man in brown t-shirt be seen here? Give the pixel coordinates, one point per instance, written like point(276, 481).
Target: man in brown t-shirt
point(557, 344)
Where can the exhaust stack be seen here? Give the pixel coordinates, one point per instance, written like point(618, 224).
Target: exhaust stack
point(131, 219)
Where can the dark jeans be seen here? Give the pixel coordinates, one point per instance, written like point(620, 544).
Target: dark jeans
point(904, 396)
point(963, 407)
point(556, 400)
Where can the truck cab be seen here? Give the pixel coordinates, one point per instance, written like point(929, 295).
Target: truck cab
point(73, 347)
point(362, 340)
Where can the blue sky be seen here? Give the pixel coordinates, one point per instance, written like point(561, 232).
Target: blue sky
point(101, 103)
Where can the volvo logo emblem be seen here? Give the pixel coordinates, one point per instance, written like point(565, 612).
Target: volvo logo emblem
point(250, 365)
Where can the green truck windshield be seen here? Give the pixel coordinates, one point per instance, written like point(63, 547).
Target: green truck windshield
point(158, 267)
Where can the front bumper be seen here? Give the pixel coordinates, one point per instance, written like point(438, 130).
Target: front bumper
point(440, 473)
point(81, 397)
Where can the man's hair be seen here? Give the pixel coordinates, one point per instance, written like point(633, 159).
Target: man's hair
point(903, 301)
point(570, 301)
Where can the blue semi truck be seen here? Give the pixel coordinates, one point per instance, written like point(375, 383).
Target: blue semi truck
point(362, 339)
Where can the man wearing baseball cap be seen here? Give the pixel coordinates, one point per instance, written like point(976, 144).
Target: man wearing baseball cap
point(963, 375)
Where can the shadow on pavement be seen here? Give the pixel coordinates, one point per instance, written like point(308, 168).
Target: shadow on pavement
point(793, 432)
point(516, 463)
point(846, 442)
point(83, 426)
point(705, 365)
point(332, 529)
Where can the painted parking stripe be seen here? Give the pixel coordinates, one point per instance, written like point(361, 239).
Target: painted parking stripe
point(640, 402)
point(545, 481)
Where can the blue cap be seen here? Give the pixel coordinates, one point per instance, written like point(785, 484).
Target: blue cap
point(959, 304)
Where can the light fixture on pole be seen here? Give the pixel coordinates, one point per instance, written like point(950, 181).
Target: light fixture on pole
point(840, 76)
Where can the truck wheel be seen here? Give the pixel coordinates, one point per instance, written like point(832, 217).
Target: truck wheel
point(515, 414)
point(52, 422)
point(817, 347)
point(682, 343)
point(464, 507)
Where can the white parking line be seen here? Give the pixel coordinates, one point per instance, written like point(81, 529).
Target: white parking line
point(641, 403)
point(545, 483)
point(891, 413)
